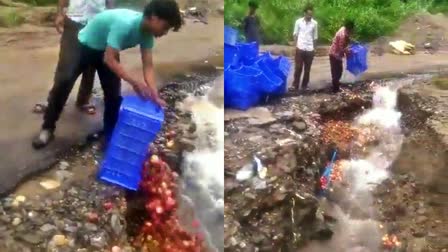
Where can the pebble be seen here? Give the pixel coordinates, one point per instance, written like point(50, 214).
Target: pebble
point(60, 240)
point(299, 126)
point(20, 198)
point(16, 221)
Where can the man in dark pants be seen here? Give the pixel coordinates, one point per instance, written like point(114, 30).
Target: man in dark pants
point(305, 35)
point(69, 24)
point(339, 49)
point(100, 43)
point(251, 24)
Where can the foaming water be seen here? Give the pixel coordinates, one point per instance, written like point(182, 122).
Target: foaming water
point(355, 233)
point(203, 169)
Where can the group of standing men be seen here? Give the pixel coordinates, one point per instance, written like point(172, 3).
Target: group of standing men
point(92, 38)
point(305, 37)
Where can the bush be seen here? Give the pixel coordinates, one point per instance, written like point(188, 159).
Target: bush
point(9, 17)
point(373, 18)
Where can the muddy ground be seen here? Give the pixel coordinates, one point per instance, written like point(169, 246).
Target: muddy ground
point(284, 213)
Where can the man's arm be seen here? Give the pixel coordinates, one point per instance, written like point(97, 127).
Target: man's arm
point(59, 21)
point(62, 4)
point(111, 59)
point(315, 36)
point(296, 31)
point(148, 75)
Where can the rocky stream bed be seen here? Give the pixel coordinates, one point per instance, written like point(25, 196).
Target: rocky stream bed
point(395, 209)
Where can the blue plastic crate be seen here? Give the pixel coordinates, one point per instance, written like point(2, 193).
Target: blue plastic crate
point(269, 82)
point(138, 124)
point(280, 66)
point(357, 61)
point(230, 35)
point(248, 52)
point(231, 56)
point(241, 87)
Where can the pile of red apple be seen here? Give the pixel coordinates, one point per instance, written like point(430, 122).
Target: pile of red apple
point(162, 231)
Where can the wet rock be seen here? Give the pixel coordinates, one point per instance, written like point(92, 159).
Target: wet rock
point(421, 219)
point(48, 228)
point(285, 115)
point(299, 126)
point(322, 232)
point(33, 239)
point(90, 227)
point(117, 224)
point(419, 244)
point(63, 165)
point(421, 211)
point(99, 240)
point(6, 219)
point(63, 175)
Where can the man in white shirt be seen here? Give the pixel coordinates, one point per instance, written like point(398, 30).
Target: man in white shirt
point(305, 36)
point(72, 16)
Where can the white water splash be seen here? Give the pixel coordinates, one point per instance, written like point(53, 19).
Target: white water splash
point(372, 170)
point(363, 175)
point(203, 169)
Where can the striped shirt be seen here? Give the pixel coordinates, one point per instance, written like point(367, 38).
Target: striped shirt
point(339, 44)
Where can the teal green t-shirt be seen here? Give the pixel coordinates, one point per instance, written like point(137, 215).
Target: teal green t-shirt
point(117, 28)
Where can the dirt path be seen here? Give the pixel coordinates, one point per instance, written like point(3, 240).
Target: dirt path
point(27, 64)
point(385, 66)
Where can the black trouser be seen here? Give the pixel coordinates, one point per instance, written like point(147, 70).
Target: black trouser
point(68, 43)
point(82, 58)
point(337, 67)
point(304, 60)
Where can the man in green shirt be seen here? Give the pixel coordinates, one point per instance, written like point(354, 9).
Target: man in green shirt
point(100, 43)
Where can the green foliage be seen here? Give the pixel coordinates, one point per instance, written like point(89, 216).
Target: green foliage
point(9, 17)
point(373, 18)
point(119, 3)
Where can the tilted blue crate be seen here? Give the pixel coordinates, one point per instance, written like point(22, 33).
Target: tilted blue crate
point(138, 124)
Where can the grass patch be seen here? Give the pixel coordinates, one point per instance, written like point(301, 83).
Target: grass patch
point(10, 17)
point(374, 18)
point(441, 83)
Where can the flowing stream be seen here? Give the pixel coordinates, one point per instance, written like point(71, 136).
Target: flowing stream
point(203, 168)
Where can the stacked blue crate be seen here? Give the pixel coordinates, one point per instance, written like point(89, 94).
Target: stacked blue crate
point(250, 77)
point(138, 124)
